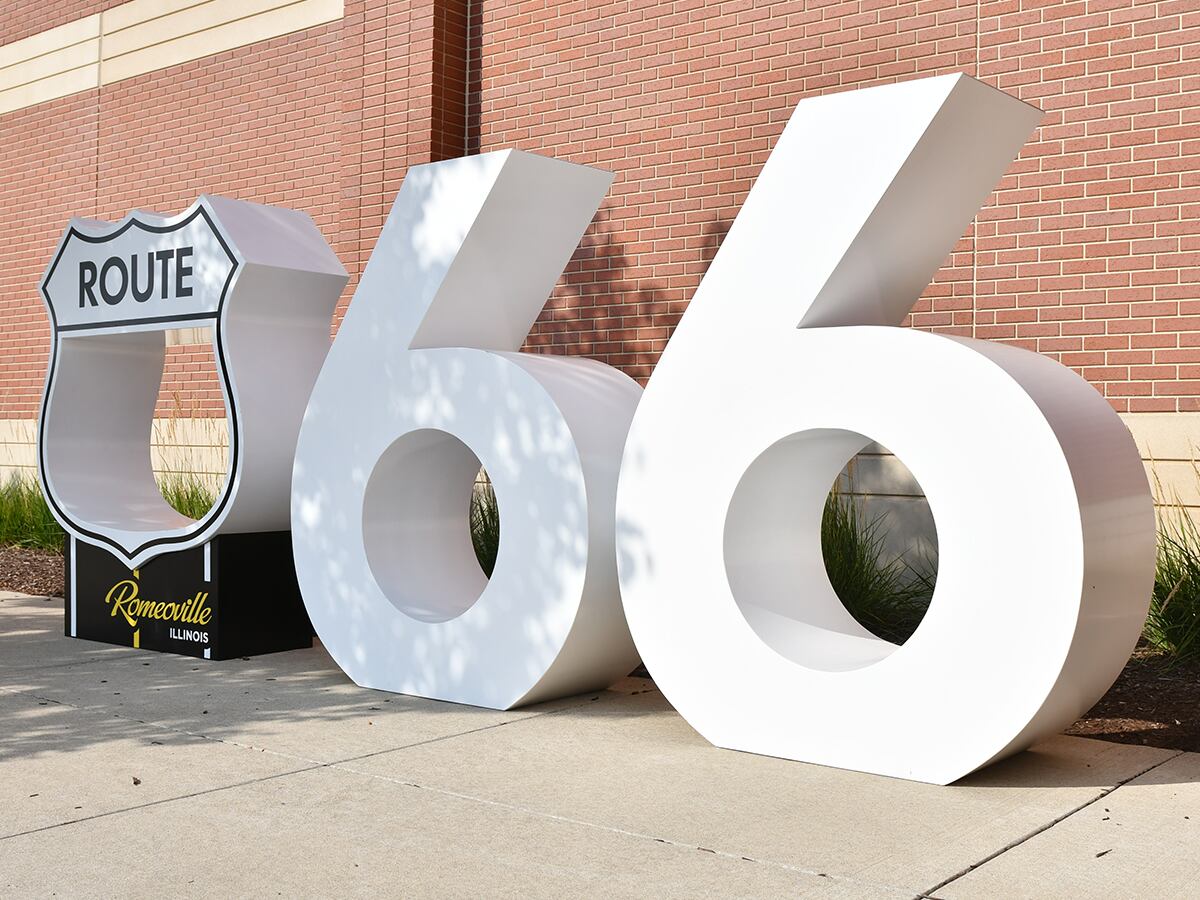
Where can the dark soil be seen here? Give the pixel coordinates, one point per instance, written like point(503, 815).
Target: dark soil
point(31, 571)
point(1152, 702)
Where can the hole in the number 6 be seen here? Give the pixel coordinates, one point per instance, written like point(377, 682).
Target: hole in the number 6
point(831, 579)
point(431, 525)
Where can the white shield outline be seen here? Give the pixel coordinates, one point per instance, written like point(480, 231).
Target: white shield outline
point(292, 242)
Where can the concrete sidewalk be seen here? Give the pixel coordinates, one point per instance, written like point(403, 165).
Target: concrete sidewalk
point(131, 773)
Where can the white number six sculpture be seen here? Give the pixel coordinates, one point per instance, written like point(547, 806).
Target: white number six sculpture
point(423, 372)
point(1043, 511)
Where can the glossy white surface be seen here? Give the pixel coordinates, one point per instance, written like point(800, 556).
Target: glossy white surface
point(422, 385)
point(1044, 515)
point(267, 282)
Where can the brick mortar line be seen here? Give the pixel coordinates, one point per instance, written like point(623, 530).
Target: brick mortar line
point(98, 112)
point(198, 30)
point(467, 82)
point(1044, 828)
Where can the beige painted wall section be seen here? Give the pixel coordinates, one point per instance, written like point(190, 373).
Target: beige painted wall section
point(885, 487)
point(177, 446)
point(18, 447)
point(143, 36)
point(50, 64)
point(1167, 442)
point(197, 447)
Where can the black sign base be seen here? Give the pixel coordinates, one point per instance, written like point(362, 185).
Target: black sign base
point(236, 596)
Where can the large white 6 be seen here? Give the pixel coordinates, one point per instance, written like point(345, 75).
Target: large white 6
point(423, 372)
point(1044, 517)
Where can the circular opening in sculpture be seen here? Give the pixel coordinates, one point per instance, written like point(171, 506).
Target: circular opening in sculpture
point(833, 579)
point(189, 446)
point(431, 525)
point(127, 446)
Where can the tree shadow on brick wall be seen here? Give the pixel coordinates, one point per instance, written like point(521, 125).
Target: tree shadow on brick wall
point(609, 307)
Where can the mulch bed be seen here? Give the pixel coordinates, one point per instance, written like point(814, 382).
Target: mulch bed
point(1152, 702)
point(31, 571)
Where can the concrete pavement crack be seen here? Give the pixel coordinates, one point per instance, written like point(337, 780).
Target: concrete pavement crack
point(159, 802)
point(612, 829)
point(931, 893)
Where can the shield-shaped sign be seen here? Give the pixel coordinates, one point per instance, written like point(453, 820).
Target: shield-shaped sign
point(266, 282)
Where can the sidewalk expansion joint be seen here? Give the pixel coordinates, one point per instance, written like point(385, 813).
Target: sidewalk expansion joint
point(160, 802)
point(612, 829)
point(931, 893)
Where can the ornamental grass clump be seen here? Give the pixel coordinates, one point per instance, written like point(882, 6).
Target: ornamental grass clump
point(1173, 624)
point(25, 519)
point(186, 493)
point(888, 597)
point(485, 523)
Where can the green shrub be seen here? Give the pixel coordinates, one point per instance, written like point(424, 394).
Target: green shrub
point(186, 493)
point(1173, 625)
point(25, 519)
point(887, 597)
point(485, 524)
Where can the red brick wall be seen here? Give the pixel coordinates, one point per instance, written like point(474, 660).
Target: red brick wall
point(1089, 251)
point(684, 101)
point(1092, 251)
point(326, 120)
point(248, 123)
point(23, 19)
point(47, 175)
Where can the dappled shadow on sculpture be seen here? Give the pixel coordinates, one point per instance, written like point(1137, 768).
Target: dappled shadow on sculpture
point(1051, 550)
point(422, 386)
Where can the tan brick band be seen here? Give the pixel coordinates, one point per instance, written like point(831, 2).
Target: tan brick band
point(1169, 445)
point(177, 447)
point(143, 36)
point(1088, 252)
